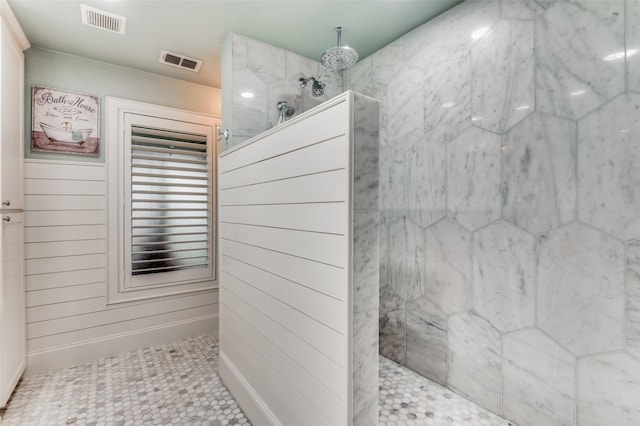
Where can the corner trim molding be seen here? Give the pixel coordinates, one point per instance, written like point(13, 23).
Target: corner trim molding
point(14, 26)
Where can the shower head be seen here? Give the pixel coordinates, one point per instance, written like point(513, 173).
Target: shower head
point(339, 57)
point(317, 89)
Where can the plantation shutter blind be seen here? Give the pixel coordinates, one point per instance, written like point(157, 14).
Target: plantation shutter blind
point(169, 203)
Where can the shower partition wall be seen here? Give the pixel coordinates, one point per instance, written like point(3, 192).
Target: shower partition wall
point(299, 268)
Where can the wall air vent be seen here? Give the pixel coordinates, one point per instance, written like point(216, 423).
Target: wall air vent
point(180, 61)
point(103, 20)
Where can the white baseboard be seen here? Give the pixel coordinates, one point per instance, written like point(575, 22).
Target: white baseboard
point(253, 406)
point(90, 350)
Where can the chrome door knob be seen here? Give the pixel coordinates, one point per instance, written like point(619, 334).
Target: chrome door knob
point(6, 203)
point(7, 219)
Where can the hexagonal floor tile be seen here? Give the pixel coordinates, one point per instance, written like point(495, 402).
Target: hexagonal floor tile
point(175, 383)
point(411, 400)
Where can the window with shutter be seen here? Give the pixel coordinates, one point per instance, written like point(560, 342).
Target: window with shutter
point(165, 210)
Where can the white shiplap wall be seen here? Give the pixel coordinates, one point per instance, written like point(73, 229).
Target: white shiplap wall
point(68, 320)
point(285, 259)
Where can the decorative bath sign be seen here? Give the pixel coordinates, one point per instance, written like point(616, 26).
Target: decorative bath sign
point(64, 122)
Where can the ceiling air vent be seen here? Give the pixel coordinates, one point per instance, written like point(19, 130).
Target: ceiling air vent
point(180, 61)
point(103, 20)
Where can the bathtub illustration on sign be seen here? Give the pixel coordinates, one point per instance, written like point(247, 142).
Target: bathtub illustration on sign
point(56, 134)
point(64, 122)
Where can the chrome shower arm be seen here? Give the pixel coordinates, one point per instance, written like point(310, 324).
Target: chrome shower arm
point(302, 82)
point(318, 87)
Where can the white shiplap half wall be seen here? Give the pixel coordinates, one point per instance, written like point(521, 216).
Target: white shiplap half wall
point(68, 320)
point(285, 270)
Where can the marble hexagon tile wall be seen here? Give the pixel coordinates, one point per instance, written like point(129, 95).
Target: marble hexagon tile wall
point(271, 75)
point(632, 38)
point(580, 289)
point(541, 149)
point(578, 50)
point(503, 54)
point(538, 379)
point(608, 169)
point(510, 206)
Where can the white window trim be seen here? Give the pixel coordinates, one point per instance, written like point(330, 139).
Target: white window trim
point(116, 109)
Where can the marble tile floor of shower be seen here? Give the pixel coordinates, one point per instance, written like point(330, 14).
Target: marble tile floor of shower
point(177, 384)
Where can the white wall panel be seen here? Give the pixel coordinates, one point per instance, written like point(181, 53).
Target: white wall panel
point(285, 244)
point(103, 315)
point(320, 366)
point(65, 279)
point(326, 155)
point(65, 294)
point(39, 219)
point(63, 171)
point(78, 337)
point(321, 337)
point(64, 248)
point(64, 202)
point(290, 406)
point(319, 217)
point(65, 233)
point(67, 263)
point(316, 188)
point(325, 279)
point(317, 128)
point(322, 308)
point(63, 187)
point(41, 316)
point(323, 248)
point(42, 234)
point(327, 404)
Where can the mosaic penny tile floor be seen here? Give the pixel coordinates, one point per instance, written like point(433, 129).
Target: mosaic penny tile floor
point(407, 398)
point(177, 384)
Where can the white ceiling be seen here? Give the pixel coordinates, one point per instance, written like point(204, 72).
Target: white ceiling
point(197, 28)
